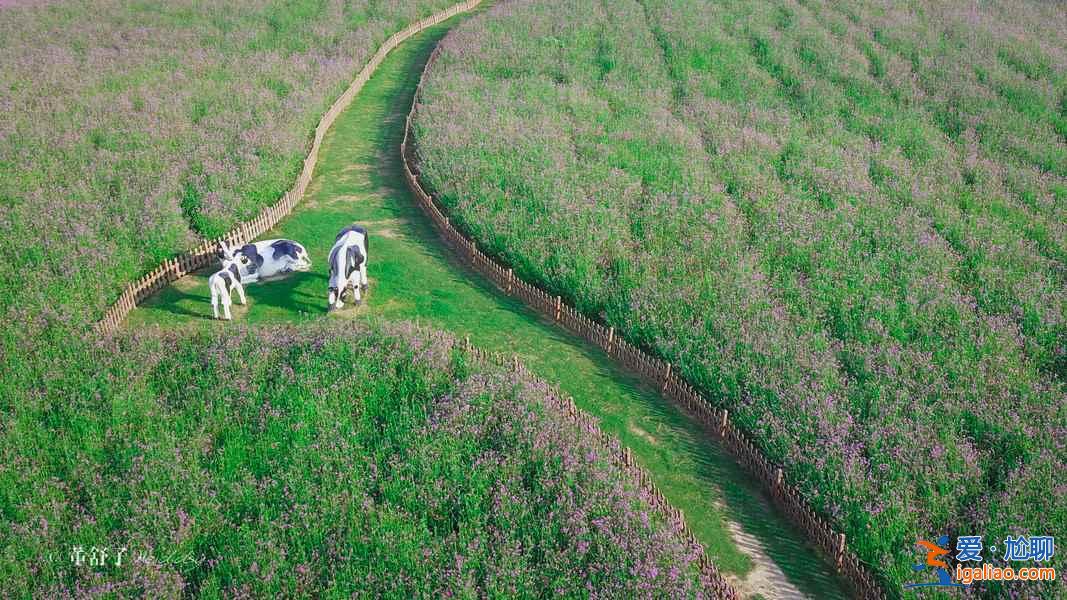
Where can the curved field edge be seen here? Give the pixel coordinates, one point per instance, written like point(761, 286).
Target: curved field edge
point(576, 198)
point(360, 178)
point(368, 459)
point(118, 119)
point(653, 372)
point(177, 267)
point(59, 375)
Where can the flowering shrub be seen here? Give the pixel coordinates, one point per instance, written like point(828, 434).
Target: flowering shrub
point(329, 461)
point(845, 222)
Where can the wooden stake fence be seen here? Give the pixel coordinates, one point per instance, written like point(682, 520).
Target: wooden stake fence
point(645, 366)
point(653, 370)
point(719, 586)
point(200, 256)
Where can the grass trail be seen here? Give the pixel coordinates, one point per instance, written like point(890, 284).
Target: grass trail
point(413, 277)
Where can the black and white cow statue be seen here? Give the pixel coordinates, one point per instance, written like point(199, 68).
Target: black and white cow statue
point(348, 265)
point(269, 258)
point(223, 283)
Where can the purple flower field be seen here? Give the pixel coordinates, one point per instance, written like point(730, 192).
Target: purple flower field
point(847, 223)
point(320, 461)
point(128, 131)
point(374, 461)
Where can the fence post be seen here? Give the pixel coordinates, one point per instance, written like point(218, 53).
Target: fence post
point(666, 376)
point(611, 339)
point(840, 550)
point(559, 303)
point(722, 424)
point(511, 279)
point(515, 362)
point(779, 478)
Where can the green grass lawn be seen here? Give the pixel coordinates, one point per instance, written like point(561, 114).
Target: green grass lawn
point(412, 277)
point(843, 222)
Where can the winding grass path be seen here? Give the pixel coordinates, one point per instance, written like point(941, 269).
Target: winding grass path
point(413, 277)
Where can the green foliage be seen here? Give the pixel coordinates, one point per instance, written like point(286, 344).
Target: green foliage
point(842, 222)
point(343, 460)
point(143, 127)
point(359, 179)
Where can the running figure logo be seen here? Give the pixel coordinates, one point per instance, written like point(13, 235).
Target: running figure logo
point(933, 554)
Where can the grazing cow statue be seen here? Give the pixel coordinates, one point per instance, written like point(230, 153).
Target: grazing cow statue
point(348, 265)
point(269, 258)
point(224, 282)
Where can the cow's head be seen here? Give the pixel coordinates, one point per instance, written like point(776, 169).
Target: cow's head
point(224, 252)
point(303, 259)
point(230, 258)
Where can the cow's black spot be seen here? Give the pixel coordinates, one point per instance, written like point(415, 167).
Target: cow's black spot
point(286, 248)
point(355, 259)
point(226, 278)
point(254, 257)
point(333, 259)
point(236, 272)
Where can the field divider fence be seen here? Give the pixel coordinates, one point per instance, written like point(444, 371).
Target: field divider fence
point(623, 459)
point(656, 372)
point(200, 256)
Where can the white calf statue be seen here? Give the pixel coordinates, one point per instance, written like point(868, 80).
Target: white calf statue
point(222, 285)
point(269, 258)
point(348, 265)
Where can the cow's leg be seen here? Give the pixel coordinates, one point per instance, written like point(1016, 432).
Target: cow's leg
point(363, 274)
point(226, 302)
point(214, 296)
point(354, 282)
point(240, 292)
